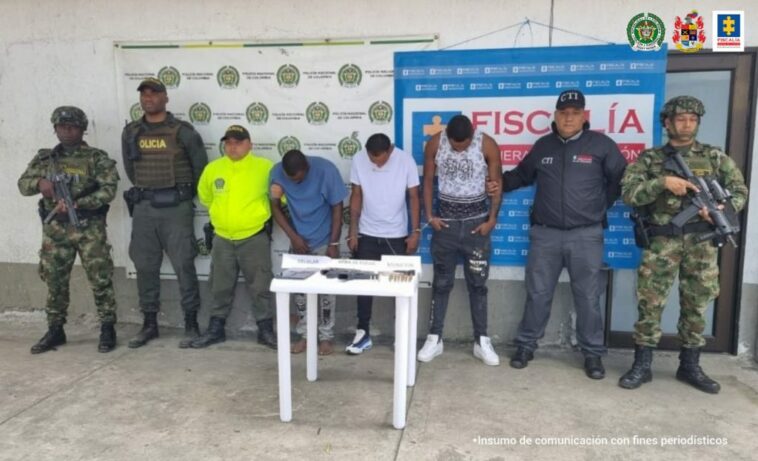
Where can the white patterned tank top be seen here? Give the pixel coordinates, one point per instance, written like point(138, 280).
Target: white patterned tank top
point(461, 179)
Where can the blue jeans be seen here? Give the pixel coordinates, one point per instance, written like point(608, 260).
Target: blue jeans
point(449, 245)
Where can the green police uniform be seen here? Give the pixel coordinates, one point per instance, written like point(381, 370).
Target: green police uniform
point(164, 162)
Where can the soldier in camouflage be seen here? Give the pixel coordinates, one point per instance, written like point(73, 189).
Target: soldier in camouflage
point(660, 195)
point(92, 180)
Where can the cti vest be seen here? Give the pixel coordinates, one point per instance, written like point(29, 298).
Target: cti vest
point(163, 162)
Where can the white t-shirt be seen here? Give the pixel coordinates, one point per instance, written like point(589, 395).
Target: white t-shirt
point(384, 212)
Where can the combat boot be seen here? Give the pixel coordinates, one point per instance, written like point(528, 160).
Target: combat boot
point(149, 331)
point(55, 336)
point(191, 329)
point(107, 337)
point(690, 372)
point(640, 372)
point(214, 334)
point(266, 334)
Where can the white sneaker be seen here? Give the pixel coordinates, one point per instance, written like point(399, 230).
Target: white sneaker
point(485, 352)
point(432, 348)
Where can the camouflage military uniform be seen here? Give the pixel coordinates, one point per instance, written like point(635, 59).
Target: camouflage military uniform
point(94, 184)
point(667, 256)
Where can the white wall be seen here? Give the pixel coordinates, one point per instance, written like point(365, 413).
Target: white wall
point(61, 52)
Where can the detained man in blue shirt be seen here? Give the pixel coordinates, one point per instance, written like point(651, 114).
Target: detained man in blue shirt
point(314, 192)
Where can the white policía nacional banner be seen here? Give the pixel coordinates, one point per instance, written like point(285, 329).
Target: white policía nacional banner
point(322, 97)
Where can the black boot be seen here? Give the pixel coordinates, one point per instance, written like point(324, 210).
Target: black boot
point(191, 329)
point(593, 367)
point(214, 334)
point(266, 334)
point(149, 331)
point(690, 372)
point(640, 372)
point(521, 358)
point(107, 338)
point(55, 336)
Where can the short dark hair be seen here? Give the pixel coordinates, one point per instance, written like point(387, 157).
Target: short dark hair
point(377, 143)
point(294, 162)
point(459, 128)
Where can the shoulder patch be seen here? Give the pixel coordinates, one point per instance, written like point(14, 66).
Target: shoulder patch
point(44, 153)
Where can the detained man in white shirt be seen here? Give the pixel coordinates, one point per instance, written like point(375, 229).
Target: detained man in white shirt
point(384, 193)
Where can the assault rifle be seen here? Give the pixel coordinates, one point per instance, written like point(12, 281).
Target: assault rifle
point(62, 196)
point(712, 196)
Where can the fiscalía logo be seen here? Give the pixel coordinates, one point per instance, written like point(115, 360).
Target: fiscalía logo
point(380, 112)
point(287, 144)
point(645, 32)
point(200, 113)
point(350, 75)
point(170, 77)
point(317, 113)
point(728, 29)
point(136, 112)
point(257, 113)
point(288, 76)
point(349, 145)
point(228, 77)
point(689, 33)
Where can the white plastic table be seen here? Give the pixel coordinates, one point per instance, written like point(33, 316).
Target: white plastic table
point(406, 318)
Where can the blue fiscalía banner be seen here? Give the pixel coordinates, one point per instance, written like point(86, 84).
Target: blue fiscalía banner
point(510, 94)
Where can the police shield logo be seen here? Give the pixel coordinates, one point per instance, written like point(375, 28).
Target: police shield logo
point(645, 32)
point(228, 77)
point(170, 77)
point(349, 146)
point(288, 76)
point(200, 113)
point(287, 144)
point(689, 33)
point(317, 113)
point(257, 113)
point(350, 75)
point(136, 112)
point(380, 113)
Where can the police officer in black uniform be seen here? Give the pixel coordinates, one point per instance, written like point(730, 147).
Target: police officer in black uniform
point(163, 158)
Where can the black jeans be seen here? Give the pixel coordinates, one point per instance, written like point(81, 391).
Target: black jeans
point(373, 248)
point(449, 245)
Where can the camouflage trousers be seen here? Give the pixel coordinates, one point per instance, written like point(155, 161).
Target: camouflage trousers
point(698, 271)
point(60, 244)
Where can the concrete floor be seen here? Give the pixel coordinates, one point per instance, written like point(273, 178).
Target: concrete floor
point(163, 403)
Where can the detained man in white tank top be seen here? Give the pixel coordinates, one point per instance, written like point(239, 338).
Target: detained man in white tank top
point(463, 160)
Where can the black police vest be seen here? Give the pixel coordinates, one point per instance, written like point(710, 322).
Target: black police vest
point(163, 163)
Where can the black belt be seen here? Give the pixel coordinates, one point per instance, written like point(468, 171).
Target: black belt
point(184, 191)
point(568, 228)
point(669, 230)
